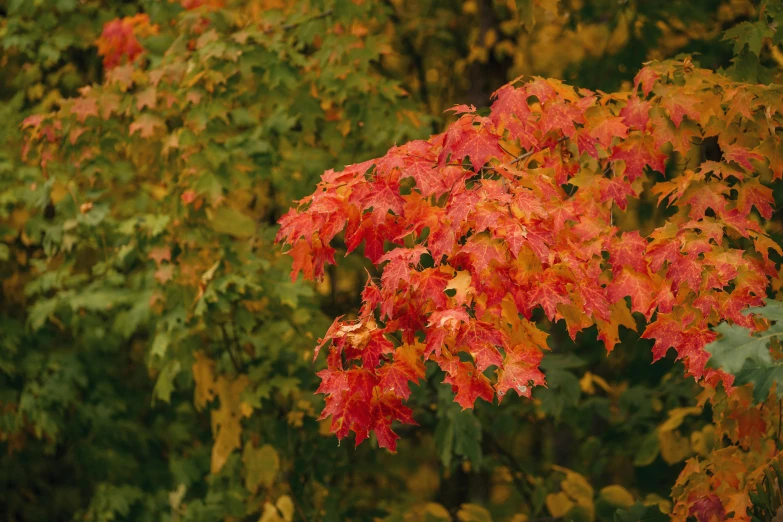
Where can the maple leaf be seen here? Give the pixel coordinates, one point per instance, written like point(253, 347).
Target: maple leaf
point(118, 40)
point(741, 156)
point(606, 128)
point(520, 373)
point(146, 98)
point(482, 251)
point(707, 509)
point(398, 268)
point(639, 286)
point(146, 124)
point(460, 109)
point(388, 408)
point(407, 367)
point(701, 196)
point(617, 189)
point(636, 113)
point(374, 236)
point(382, 196)
point(469, 384)
point(160, 254)
point(476, 142)
point(417, 160)
point(609, 331)
point(480, 339)
point(755, 194)
point(688, 269)
point(629, 249)
point(509, 102)
point(772, 149)
point(646, 78)
point(678, 106)
point(561, 116)
point(541, 88)
point(84, 107)
point(638, 153)
point(377, 345)
point(310, 259)
point(546, 290)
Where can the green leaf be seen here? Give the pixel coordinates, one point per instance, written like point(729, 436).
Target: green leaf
point(164, 386)
point(261, 466)
point(762, 376)
point(736, 345)
point(526, 14)
point(232, 222)
point(160, 345)
point(648, 451)
point(751, 34)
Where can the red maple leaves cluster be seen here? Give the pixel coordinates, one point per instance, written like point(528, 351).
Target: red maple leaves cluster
point(500, 216)
point(119, 42)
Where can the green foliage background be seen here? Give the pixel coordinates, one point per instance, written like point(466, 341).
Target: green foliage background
point(116, 290)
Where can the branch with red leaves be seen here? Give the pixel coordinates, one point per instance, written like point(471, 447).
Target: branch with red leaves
point(490, 249)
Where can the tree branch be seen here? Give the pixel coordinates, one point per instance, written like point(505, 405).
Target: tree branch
point(531, 152)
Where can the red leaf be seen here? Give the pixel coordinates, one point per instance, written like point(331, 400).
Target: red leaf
point(607, 128)
point(469, 384)
point(646, 78)
point(482, 252)
point(741, 156)
point(466, 139)
point(636, 113)
point(638, 153)
point(407, 366)
point(520, 372)
point(637, 285)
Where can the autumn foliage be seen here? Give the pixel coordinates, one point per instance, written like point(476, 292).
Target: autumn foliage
point(119, 42)
point(506, 219)
point(160, 357)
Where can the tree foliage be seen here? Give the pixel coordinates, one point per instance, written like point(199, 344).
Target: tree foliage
point(507, 215)
point(156, 359)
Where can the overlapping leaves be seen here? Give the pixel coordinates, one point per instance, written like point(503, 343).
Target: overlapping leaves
point(503, 215)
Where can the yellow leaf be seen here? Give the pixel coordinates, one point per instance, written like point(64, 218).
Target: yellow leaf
point(589, 380)
point(227, 420)
point(578, 489)
point(558, 504)
point(676, 416)
point(702, 442)
point(674, 447)
point(270, 514)
point(473, 513)
point(286, 506)
point(261, 466)
point(204, 377)
point(427, 512)
point(617, 496)
point(462, 284)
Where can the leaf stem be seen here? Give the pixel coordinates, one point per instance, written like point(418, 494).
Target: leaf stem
point(531, 152)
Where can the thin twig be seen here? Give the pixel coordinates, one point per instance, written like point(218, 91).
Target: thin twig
point(531, 152)
point(228, 348)
point(522, 487)
point(296, 504)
